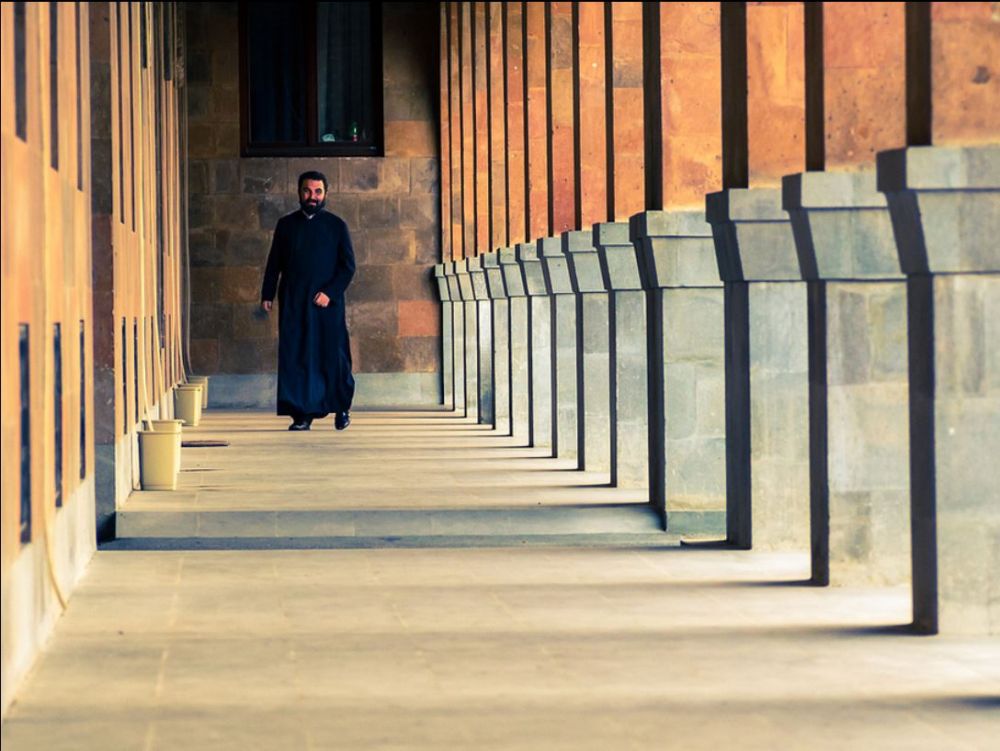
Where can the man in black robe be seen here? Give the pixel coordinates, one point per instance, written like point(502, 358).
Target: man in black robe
point(310, 264)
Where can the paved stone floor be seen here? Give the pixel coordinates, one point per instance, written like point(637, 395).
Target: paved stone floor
point(639, 646)
point(484, 648)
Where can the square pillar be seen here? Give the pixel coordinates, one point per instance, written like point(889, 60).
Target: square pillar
point(593, 361)
point(458, 337)
point(447, 341)
point(945, 208)
point(540, 349)
point(628, 355)
point(858, 427)
point(484, 340)
point(564, 334)
point(687, 370)
point(767, 387)
point(519, 339)
point(500, 309)
point(470, 348)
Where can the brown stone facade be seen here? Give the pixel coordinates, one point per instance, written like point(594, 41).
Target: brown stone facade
point(390, 203)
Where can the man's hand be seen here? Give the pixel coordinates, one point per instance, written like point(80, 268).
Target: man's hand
point(266, 305)
point(321, 300)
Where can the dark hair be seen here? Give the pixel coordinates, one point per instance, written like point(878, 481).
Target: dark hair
point(313, 175)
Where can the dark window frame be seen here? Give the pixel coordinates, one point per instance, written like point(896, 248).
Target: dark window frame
point(314, 147)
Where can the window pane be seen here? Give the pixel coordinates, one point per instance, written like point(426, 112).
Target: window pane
point(344, 73)
point(276, 67)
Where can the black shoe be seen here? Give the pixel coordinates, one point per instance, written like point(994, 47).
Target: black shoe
point(300, 425)
point(342, 420)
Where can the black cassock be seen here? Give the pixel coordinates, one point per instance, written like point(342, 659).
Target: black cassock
point(314, 351)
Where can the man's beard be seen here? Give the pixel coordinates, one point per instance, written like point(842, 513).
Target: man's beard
point(312, 207)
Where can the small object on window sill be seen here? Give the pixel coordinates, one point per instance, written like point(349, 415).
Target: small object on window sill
point(328, 137)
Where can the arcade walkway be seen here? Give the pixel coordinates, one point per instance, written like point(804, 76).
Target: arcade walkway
point(546, 636)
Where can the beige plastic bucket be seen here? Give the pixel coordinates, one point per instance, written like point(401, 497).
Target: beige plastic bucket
point(167, 426)
point(172, 427)
point(203, 382)
point(159, 460)
point(187, 404)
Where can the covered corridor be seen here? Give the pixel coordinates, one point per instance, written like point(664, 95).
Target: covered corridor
point(595, 641)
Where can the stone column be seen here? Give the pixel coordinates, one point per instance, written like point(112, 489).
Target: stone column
point(447, 341)
point(484, 340)
point(945, 207)
point(687, 374)
point(628, 355)
point(457, 337)
point(564, 333)
point(540, 349)
point(593, 362)
point(858, 378)
point(767, 404)
point(471, 339)
point(518, 338)
point(500, 305)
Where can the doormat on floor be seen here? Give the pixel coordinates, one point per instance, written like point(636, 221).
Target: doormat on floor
point(203, 444)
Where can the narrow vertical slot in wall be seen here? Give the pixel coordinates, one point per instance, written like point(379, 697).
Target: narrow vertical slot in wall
point(125, 376)
point(54, 83)
point(20, 73)
point(83, 400)
point(24, 355)
point(57, 389)
point(135, 363)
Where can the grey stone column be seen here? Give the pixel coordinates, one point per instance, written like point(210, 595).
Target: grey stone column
point(593, 362)
point(519, 339)
point(471, 340)
point(628, 355)
point(687, 370)
point(458, 337)
point(540, 349)
point(564, 333)
point(500, 307)
point(858, 428)
point(945, 207)
point(767, 388)
point(484, 340)
point(447, 342)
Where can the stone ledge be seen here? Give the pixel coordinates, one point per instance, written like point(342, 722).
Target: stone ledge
point(259, 390)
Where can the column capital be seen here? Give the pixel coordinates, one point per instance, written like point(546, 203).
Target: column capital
point(675, 249)
point(619, 260)
point(513, 281)
point(531, 269)
point(584, 264)
point(555, 265)
point(753, 235)
point(490, 264)
point(478, 278)
point(464, 280)
point(945, 207)
point(841, 225)
point(441, 277)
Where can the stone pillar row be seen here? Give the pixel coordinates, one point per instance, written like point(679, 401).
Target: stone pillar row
point(809, 365)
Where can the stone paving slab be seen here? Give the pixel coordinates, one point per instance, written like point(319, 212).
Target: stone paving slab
point(389, 474)
point(535, 648)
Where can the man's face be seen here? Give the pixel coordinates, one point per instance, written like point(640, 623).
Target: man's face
point(312, 197)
